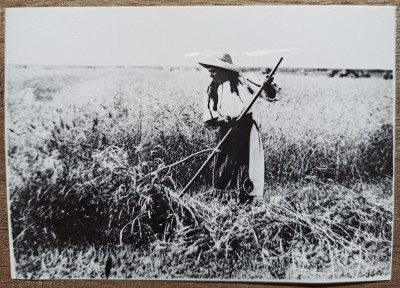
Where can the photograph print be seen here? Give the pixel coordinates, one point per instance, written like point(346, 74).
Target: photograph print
point(200, 143)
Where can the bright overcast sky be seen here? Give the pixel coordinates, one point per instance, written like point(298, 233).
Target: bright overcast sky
point(306, 36)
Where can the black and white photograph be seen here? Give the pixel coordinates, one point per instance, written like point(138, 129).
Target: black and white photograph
point(211, 143)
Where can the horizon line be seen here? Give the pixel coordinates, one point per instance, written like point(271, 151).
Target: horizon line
point(191, 66)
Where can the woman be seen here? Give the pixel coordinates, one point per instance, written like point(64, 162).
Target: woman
point(239, 166)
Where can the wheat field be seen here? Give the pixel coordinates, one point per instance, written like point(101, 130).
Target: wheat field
point(83, 144)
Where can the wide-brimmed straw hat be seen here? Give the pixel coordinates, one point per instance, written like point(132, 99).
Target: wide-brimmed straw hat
point(224, 61)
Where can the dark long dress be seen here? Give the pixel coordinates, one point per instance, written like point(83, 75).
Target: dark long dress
point(231, 167)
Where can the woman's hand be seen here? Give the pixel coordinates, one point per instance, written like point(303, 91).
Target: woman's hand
point(224, 120)
point(269, 88)
point(268, 81)
point(216, 122)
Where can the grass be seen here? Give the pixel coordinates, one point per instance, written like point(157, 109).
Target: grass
point(86, 152)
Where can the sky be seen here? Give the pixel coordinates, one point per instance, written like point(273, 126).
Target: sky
point(358, 37)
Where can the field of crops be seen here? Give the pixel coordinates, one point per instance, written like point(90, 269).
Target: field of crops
point(83, 142)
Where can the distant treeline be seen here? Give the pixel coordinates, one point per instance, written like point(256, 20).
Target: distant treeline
point(354, 73)
point(350, 73)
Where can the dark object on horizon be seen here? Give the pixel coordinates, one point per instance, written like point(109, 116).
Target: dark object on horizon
point(349, 73)
point(333, 73)
point(108, 266)
point(364, 74)
point(387, 75)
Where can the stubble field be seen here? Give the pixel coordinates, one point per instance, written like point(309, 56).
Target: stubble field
point(83, 145)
